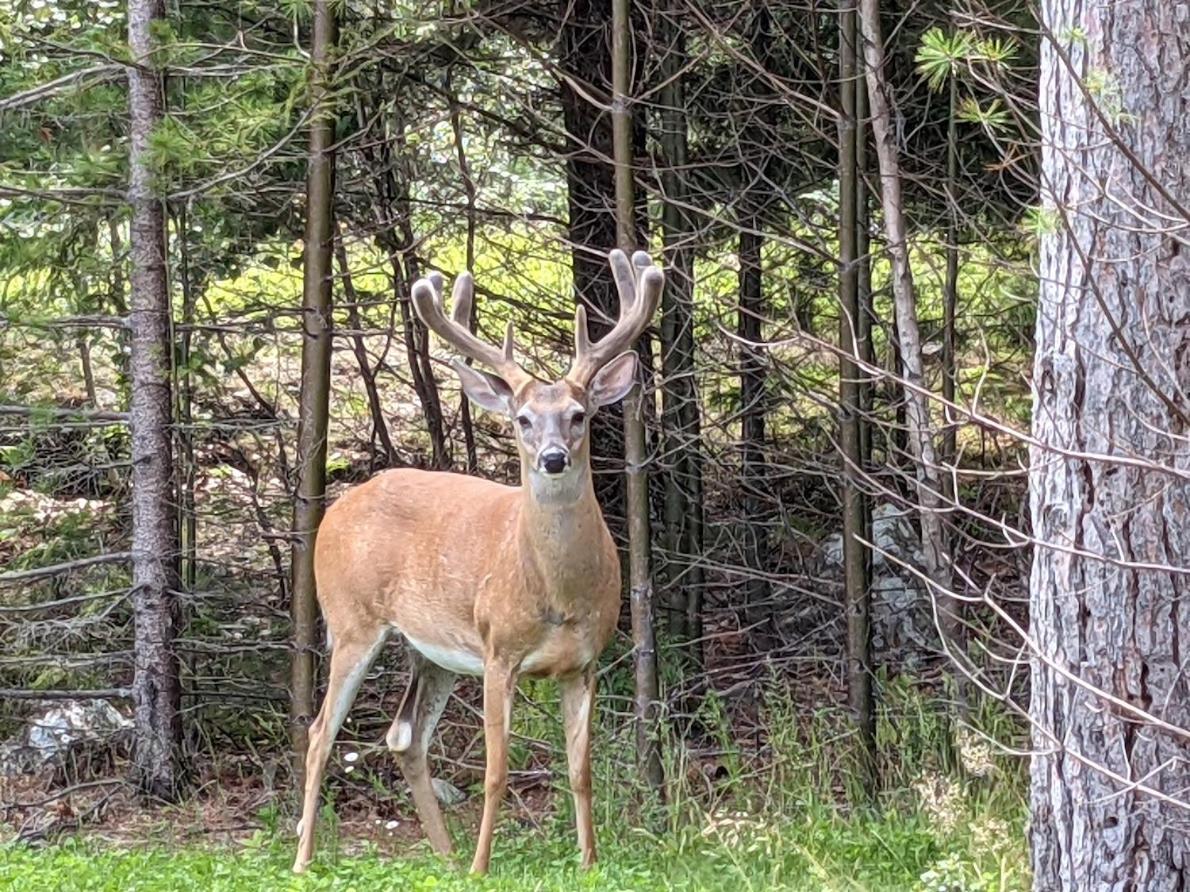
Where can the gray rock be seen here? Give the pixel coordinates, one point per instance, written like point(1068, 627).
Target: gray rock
point(447, 793)
point(60, 730)
point(902, 620)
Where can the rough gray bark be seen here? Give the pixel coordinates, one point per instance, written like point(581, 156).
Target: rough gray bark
point(640, 575)
point(856, 590)
point(156, 689)
point(917, 404)
point(1109, 585)
point(314, 400)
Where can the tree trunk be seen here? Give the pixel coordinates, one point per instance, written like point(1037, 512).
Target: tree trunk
point(856, 591)
point(309, 498)
point(367, 373)
point(395, 235)
point(156, 688)
point(1110, 471)
point(753, 201)
point(585, 58)
point(950, 291)
point(757, 606)
point(867, 312)
point(681, 419)
point(640, 577)
point(403, 260)
point(456, 126)
point(917, 404)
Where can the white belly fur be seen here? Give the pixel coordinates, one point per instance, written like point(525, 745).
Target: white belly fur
point(463, 662)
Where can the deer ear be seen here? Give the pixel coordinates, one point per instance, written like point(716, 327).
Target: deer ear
point(485, 390)
point(613, 382)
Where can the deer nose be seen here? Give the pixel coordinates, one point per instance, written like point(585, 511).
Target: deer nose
point(554, 461)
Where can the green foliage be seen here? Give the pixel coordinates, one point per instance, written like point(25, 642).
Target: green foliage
point(1104, 87)
point(992, 116)
point(944, 55)
point(1040, 221)
point(939, 54)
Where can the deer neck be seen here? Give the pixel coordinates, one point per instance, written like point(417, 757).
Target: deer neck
point(561, 530)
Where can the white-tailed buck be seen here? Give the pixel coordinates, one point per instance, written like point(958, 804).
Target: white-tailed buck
point(482, 578)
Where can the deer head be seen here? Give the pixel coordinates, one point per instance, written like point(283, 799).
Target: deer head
point(551, 421)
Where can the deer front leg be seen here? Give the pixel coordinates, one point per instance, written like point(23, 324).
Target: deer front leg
point(499, 683)
point(578, 698)
point(350, 659)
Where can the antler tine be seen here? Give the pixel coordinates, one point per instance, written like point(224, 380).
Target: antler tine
point(582, 334)
point(641, 261)
point(626, 279)
point(639, 284)
point(460, 299)
point(456, 330)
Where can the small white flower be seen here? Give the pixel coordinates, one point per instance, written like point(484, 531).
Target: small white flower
point(351, 757)
point(391, 825)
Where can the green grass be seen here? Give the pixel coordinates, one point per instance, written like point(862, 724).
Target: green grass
point(816, 848)
point(950, 818)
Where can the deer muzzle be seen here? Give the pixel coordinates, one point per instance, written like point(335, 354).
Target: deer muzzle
point(553, 460)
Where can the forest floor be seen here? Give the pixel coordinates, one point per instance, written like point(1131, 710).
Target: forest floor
point(816, 852)
point(940, 837)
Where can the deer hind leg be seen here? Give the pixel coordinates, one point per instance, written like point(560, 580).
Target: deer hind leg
point(409, 737)
point(350, 660)
point(578, 697)
point(499, 686)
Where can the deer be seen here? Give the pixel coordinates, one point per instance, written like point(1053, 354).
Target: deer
point(481, 578)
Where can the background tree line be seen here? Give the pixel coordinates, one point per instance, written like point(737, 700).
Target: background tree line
point(213, 214)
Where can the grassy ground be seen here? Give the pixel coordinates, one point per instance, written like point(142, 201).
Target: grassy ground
point(815, 849)
point(949, 819)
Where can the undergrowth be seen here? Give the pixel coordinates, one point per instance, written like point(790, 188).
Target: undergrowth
point(948, 817)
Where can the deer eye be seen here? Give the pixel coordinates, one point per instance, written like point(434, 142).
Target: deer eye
point(578, 418)
point(523, 421)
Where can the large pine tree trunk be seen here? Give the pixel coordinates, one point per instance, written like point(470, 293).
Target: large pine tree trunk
point(156, 689)
point(1111, 469)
